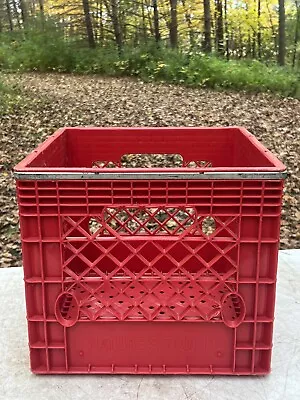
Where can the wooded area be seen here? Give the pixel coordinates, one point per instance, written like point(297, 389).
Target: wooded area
point(267, 30)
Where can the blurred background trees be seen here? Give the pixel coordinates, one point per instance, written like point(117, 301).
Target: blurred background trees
point(263, 29)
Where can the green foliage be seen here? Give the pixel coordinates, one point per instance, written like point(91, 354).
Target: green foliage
point(9, 97)
point(48, 50)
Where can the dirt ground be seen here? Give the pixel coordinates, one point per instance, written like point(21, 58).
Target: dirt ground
point(54, 100)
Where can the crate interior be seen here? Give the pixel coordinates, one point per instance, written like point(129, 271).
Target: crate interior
point(193, 147)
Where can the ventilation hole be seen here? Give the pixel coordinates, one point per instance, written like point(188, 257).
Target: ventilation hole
point(142, 292)
point(161, 312)
point(162, 292)
point(192, 297)
point(221, 291)
point(89, 306)
point(182, 301)
point(208, 226)
point(132, 297)
point(172, 307)
point(121, 302)
point(101, 291)
point(94, 226)
point(190, 287)
point(151, 307)
point(110, 297)
point(132, 287)
point(202, 301)
point(81, 291)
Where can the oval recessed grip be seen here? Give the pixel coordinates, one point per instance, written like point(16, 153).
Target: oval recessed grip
point(66, 309)
point(233, 309)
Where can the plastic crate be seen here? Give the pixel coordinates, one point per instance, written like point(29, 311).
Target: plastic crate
point(150, 271)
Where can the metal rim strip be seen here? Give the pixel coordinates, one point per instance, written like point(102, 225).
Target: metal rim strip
point(149, 176)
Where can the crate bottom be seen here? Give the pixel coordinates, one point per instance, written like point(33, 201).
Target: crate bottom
point(130, 371)
point(152, 348)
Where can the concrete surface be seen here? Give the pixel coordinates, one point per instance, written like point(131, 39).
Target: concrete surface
point(17, 382)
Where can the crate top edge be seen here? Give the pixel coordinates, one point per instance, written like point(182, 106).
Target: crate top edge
point(238, 175)
point(278, 169)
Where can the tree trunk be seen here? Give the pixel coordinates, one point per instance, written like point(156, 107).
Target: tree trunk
point(173, 24)
point(227, 51)
point(16, 14)
point(219, 27)
point(88, 24)
point(101, 22)
point(113, 12)
point(144, 25)
point(253, 46)
point(156, 21)
point(259, 29)
point(149, 17)
point(189, 24)
point(272, 26)
point(24, 12)
point(207, 27)
point(297, 33)
point(281, 33)
point(9, 17)
point(41, 6)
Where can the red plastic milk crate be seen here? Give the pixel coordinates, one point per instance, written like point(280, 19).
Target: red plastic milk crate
point(150, 270)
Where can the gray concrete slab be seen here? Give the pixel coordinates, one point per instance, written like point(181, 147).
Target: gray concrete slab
point(17, 382)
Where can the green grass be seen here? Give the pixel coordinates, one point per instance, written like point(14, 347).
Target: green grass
point(48, 51)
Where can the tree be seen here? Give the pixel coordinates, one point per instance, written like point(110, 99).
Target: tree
point(9, 17)
point(24, 11)
point(227, 51)
point(88, 24)
point(112, 8)
point(173, 24)
point(156, 21)
point(219, 27)
point(281, 33)
point(207, 27)
point(297, 32)
point(259, 44)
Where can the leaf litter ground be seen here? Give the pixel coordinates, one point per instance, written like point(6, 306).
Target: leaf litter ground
point(50, 101)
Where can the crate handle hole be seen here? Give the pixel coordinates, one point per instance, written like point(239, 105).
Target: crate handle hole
point(233, 310)
point(151, 160)
point(208, 226)
point(66, 316)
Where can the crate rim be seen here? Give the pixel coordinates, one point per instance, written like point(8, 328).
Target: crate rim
point(24, 172)
point(55, 176)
